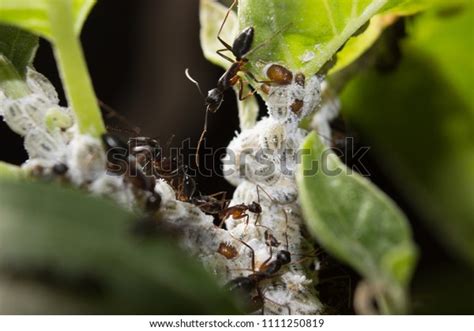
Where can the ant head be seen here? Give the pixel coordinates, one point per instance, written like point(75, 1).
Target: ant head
point(214, 100)
point(284, 257)
point(255, 207)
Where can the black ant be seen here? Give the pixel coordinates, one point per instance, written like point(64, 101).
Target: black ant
point(240, 49)
point(120, 161)
point(152, 160)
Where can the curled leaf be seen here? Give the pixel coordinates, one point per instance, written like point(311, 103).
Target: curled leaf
point(357, 223)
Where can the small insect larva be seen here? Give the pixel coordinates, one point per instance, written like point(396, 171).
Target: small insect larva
point(227, 250)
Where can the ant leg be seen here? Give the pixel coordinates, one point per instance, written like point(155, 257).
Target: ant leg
point(201, 139)
point(252, 252)
point(222, 222)
point(220, 51)
point(241, 90)
point(286, 230)
point(259, 187)
point(226, 45)
point(252, 76)
point(262, 297)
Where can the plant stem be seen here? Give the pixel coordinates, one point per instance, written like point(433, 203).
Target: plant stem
point(10, 81)
point(73, 69)
point(10, 171)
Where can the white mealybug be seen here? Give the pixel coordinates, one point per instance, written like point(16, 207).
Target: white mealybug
point(39, 84)
point(273, 135)
point(86, 159)
point(25, 113)
point(41, 144)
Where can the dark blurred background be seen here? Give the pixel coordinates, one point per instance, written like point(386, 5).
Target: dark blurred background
point(137, 53)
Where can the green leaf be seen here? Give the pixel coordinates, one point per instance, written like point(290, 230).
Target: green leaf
point(357, 45)
point(410, 7)
point(420, 122)
point(11, 82)
point(34, 15)
point(356, 222)
point(64, 252)
point(304, 34)
point(18, 46)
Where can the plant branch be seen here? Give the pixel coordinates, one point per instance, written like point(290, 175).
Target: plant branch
point(73, 69)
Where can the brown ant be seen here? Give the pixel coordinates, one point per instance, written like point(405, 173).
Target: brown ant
point(219, 208)
point(240, 211)
point(210, 204)
point(245, 285)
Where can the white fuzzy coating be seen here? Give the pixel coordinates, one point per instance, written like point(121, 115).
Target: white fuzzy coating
point(115, 188)
point(39, 84)
point(269, 178)
point(86, 159)
point(25, 113)
point(330, 109)
point(281, 98)
point(41, 144)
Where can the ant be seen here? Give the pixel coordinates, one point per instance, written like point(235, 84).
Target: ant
point(152, 160)
point(241, 48)
point(245, 285)
point(210, 204)
point(239, 212)
point(124, 163)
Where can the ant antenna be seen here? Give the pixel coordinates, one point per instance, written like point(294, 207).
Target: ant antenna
point(195, 82)
point(204, 130)
point(284, 28)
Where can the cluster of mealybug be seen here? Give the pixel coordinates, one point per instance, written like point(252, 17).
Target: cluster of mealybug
point(252, 243)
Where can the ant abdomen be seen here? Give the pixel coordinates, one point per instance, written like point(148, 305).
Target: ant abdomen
point(243, 43)
point(241, 285)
